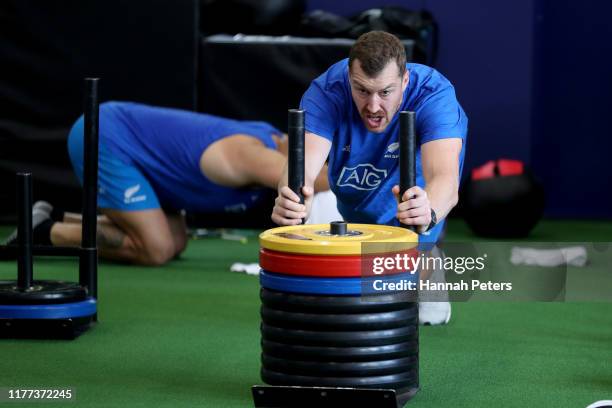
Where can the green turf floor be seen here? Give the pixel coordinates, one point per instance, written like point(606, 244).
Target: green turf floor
point(187, 335)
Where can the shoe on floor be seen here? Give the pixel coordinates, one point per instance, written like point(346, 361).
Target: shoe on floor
point(41, 212)
point(434, 313)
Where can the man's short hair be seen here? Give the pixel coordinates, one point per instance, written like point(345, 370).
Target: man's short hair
point(375, 49)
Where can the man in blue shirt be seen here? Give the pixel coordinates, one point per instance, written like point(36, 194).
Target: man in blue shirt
point(156, 161)
point(352, 120)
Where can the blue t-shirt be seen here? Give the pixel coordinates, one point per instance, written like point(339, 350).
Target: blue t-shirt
point(363, 165)
point(166, 146)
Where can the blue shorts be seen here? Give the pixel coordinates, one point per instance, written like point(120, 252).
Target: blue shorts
point(121, 186)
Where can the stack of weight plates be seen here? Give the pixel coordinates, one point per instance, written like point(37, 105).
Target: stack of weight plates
point(320, 324)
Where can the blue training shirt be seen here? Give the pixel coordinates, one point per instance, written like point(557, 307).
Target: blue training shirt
point(166, 146)
point(363, 165)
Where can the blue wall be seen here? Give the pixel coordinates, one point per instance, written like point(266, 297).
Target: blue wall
point(510, 62)
point(571, 129)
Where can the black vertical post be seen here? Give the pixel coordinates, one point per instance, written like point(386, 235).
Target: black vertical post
point(24, 231)
point(407, 141)
point(296, 151)
point(88, 261)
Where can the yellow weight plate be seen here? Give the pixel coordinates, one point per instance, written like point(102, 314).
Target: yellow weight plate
point(316, 239)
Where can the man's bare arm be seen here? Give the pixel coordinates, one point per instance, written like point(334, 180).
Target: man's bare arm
point(287, 209)
point(440, 161)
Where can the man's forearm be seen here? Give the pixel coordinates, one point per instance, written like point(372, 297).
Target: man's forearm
point(315, 171)
point(440, 161)
point(443, 194)
point(314, 182)
point(322, 182)
point(284, 179)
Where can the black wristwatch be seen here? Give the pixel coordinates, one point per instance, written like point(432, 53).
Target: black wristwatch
point(434, 220)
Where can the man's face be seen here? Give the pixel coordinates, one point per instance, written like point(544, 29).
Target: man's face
point(379, 98)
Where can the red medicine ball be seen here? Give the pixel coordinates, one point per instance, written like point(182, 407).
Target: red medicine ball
point(502, 199)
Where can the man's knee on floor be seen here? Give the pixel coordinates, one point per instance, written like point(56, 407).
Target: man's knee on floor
point(158, 251)
point(180, 243)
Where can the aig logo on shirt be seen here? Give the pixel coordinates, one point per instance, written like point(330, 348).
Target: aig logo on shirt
point(361, 177)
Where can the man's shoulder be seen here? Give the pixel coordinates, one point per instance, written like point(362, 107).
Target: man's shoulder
point(332, 85)
point(426, 76)
point(340, 67)
point(335, 74)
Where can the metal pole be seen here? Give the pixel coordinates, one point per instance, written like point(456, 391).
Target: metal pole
point(407, 141)
point(296, 151)
point(24, 231)
point(88, 262)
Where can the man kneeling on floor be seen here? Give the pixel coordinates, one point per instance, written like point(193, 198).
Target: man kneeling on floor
point(154, 159)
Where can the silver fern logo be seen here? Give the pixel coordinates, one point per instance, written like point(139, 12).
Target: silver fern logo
point(130, 197)
point(391, 151)
point(392, 147)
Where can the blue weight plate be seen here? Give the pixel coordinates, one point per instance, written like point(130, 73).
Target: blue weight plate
point(336, 286)
point(56, 311)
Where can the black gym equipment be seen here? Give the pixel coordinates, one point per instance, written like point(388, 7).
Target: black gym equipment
point(366, 338)
point(393, 381)
point(339, 354)
point(407, 159)
point(502, 199)
point(335, 304)
point(296, 151)
point(338, 369)
point(295, 61)
point(42, 292)
point(47, 308)
point(318, 350)
point(341, 321)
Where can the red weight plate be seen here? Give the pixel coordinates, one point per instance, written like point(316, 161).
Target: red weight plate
point(330, 265)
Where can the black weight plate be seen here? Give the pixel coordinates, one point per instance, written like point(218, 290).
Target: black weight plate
point(320, 353)
point(339, 369)
point(393, 381)
point(41, 292)
point(68, 329)
point(356, 321)
point(336, 304)
point(339, 338)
